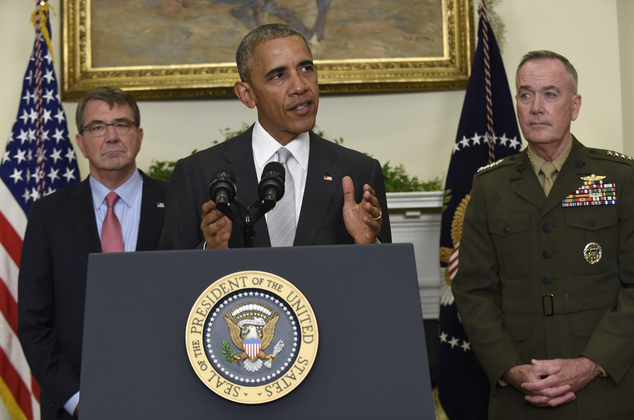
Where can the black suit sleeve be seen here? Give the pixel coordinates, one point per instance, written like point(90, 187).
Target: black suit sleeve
point(50, 355)
point(184, 211)
point(152, 213)
point(377, 182)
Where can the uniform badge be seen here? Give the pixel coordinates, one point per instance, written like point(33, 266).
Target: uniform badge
point(592, 253)
point(251, 337)
point(593, 192)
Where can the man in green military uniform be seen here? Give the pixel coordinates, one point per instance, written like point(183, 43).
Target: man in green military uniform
point(545, 286)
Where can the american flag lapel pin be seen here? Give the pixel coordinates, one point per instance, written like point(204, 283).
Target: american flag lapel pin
point(160, 205)
point(327, 177)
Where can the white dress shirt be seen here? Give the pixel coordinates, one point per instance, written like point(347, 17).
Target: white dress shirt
point(264, 148)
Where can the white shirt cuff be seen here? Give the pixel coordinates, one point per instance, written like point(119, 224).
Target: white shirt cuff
point(72, 404)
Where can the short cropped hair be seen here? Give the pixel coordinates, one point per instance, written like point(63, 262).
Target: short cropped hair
point(550, 55)
point(245, 53)
point(112, 96)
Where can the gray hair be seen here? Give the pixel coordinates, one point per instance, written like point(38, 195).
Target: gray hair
point(245, 54)
point(550, 55)
point(112, 96)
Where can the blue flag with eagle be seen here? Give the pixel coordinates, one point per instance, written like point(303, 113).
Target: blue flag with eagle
point(487, 132)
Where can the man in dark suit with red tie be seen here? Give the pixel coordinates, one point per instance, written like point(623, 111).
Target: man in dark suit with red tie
point(338, 193)
point(66, 226)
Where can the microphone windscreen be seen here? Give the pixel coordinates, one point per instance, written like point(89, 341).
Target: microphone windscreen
point(271, 185)
point(223, 187)
point(274, 169)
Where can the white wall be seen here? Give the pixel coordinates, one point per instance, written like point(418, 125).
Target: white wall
point(625, 11)
point(586, 32)
point(416, 129)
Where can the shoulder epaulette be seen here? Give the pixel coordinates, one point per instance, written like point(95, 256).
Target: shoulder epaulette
point(495, 164)
point(612, 155)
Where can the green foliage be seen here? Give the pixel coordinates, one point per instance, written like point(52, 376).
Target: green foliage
point(228, 134)
point(396, 179)
point(227, 351)
point(161, 170)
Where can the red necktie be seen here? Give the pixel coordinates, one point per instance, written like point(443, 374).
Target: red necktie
point(111, 237)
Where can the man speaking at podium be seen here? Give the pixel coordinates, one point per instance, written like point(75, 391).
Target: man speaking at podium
point(333, 195)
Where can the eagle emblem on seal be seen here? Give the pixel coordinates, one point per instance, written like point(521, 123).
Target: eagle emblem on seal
point(252, 329)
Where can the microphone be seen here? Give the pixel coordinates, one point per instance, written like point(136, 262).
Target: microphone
point(223, 189)
point(271, 187)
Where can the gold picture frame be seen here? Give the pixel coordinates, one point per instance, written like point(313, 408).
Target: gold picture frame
point(90, 29)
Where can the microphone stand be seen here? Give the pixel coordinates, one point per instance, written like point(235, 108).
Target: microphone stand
point(271, 189)
point(245, 216)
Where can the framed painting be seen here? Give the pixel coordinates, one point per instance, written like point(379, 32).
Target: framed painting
point(186, 48)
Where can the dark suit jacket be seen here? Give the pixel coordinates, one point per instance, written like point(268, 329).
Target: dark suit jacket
point(523, 253)
point(60, 233)
point(321, 217)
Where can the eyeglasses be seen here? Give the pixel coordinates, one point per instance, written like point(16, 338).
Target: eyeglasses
point(99, 129)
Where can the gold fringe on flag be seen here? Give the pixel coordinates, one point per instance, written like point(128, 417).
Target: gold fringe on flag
point(44, 9)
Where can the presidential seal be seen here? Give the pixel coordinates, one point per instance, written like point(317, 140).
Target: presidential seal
point(251, 337)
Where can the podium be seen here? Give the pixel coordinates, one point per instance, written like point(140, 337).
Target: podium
point(371, 362)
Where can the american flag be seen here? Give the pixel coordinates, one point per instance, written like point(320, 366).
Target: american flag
point(487, 132)
point(38, 160)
